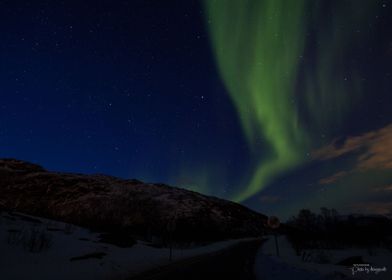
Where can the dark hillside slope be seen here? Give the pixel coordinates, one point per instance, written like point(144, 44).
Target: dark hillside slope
point(107, 203)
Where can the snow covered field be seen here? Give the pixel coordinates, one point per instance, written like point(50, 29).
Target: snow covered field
point(290, 266)
point(36, 248)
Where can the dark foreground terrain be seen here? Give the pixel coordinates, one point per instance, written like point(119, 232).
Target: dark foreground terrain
point(123, 208)
point(235, 262)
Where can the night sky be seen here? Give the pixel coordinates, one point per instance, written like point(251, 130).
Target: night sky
point(276, 104)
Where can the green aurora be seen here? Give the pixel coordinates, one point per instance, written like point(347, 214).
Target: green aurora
point(259, 48)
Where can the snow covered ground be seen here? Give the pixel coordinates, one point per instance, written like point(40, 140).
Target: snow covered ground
point(290, 266)
point(36, 248)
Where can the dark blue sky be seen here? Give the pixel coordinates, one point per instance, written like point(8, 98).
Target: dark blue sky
point(131, 89)
point(127, 88)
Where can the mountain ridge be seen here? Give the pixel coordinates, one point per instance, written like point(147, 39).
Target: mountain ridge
point(108, 203)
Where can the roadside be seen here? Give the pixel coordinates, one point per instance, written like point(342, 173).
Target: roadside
point(290, 266)
point(233, 262)
point(61, 251)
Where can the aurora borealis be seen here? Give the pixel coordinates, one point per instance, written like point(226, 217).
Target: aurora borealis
point(255, 101)
point(260, 48)
point(258, 56)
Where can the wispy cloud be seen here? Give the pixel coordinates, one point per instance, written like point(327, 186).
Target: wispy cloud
point(333, 178)
point(387, 188)
point(374, 149)
point(375, 207)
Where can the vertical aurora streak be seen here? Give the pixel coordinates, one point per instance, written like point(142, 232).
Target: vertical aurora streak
point(258, 55)
point(258, 46)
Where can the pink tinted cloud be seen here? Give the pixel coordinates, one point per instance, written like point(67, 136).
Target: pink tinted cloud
point(374, 148)
point(333, 178)
point(372, 207)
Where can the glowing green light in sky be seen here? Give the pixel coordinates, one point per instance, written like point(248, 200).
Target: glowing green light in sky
point(258, 45)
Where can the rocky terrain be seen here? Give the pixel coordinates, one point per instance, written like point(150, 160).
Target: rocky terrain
point(124, 207)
